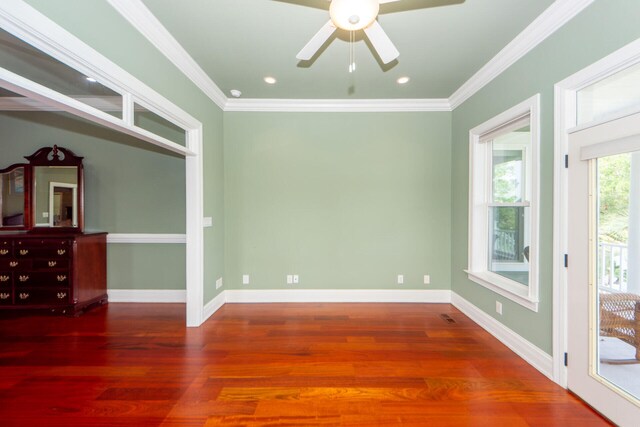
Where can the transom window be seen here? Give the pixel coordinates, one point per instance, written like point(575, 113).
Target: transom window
point(503, 223)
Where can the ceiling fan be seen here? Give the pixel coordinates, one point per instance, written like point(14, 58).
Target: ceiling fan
point(353, 15)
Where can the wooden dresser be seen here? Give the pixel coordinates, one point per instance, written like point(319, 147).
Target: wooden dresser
point(63, 272)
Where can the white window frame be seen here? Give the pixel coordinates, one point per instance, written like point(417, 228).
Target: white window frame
point(480, 187)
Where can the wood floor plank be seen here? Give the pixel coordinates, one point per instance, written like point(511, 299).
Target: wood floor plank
point(271, 365)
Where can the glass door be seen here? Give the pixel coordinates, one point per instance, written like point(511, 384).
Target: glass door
point(604, 268)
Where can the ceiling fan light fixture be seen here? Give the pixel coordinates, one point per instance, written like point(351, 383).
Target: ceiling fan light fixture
point(353, 15)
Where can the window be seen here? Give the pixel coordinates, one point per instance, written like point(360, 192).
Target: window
point(613, 96)
point(503, 204)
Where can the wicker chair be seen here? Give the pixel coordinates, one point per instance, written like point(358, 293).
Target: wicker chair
point(620, 318)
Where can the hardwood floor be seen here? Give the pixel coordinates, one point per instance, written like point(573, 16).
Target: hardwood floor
point(271, 365)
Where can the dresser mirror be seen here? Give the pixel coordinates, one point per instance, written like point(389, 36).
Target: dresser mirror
point(44, 195)
point(13, 202)
point(56, 196)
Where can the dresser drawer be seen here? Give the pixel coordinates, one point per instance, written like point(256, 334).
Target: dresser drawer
point(51, 264)
point(31, 278)
point(37, 296)
point(5, 296)
point(13, 264)
point(5, 279)
point(6, 249)
point(53, 248)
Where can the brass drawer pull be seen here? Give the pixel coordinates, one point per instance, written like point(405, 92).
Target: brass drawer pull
point(62, 295)
point(23, 295)
point(23, 278)
point(62, 251)
point(52, 263)
point(24, 251)
point(62, 278)
point(5, 296)
point(4, 251)
point(13, 264)
point(4, 278)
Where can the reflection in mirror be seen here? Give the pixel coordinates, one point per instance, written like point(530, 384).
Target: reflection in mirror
point(55, 198)
point(12, 198)
point(63, 207)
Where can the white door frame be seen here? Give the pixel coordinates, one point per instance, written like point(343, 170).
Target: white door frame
point(25, 22)
point(565, 122)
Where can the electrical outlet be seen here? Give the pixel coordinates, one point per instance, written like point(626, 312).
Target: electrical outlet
point(219, 283)
point(499, 308)
point(296, 279)
point(289, 279)
point(245, 279)
point(427, 279)
point(207, 221)
point(400, 279)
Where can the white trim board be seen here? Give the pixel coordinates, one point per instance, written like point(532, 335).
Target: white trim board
point(146, 238)
point(149, 26)
point(214, 305)
point(338, 296)
point(553, 18)
point(523, 348)
point(147, 295)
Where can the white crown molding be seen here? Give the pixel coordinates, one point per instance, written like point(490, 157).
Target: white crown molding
point(556, 15)
point(149, 26)
point(337, 105)
point(147, 295)
point(146, 238)
point(522, 347)
point(338, 295)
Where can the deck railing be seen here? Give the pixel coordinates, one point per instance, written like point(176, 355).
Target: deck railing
point(613, 267)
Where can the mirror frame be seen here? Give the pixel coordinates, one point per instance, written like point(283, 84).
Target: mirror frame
point(57, 156)
point(26, 223)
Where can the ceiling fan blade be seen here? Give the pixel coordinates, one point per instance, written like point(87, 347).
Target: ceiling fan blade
point(316, 42)
point(381, 42)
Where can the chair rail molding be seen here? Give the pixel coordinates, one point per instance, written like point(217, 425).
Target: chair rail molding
point(146, 238)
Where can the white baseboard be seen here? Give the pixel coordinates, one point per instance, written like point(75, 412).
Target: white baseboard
point(214, 305)
point(144, 295)
point(338, 295)
point(523, 348)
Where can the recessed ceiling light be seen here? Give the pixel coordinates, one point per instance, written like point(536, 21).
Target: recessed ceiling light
point(91, 79)
point(270, 80)
point(403, 80)
point(235, 93)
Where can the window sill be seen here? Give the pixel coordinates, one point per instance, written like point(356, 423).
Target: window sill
point(509, 289)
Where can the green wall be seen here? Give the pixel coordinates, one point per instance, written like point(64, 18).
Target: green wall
point(344, 200)
point(599, 30)
point(130, 187)
point(96, 23)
